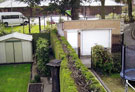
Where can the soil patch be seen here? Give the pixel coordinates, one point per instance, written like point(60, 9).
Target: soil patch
point(35, 87)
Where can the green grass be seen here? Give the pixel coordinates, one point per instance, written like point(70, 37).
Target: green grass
point(14, 78)
point(34, 29)
point(114, 83)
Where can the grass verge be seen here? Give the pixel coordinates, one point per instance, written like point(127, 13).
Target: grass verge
point(114, 83)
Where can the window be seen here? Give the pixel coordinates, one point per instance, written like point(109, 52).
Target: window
point(10, 16)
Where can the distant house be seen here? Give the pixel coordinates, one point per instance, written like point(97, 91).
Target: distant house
point(94, 8)
point(87, 9)
point(15, 48)
point(83, 35)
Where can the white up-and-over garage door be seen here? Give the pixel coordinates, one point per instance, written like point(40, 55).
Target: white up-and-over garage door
point(90, 38)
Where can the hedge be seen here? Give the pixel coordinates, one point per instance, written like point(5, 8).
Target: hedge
point(95, 85)
point(67, 84)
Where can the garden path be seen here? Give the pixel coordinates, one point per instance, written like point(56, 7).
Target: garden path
point(86, 60)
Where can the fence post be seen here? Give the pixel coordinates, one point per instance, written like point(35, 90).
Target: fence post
point(55, 68)
point(39, 25)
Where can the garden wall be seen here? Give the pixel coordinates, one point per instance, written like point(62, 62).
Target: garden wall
point(68, 83)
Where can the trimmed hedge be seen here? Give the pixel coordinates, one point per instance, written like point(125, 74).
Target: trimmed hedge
point(95, 84)
point(67, 84)
point(42, 54)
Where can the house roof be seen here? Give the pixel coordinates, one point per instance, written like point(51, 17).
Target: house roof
point(93, 24)
point(98, 3)
point(16, 35)
point(14, 3)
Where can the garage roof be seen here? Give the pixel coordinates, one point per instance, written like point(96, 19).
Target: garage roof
point(16, 35)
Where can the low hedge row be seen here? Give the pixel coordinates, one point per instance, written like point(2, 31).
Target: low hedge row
point(67, 84)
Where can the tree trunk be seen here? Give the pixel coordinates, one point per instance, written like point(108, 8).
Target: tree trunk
point(75, 4)
point(102, 9)
point(130, 10)
point(74, 14)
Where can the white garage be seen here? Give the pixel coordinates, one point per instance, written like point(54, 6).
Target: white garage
point(84, 34)
point(90, 38)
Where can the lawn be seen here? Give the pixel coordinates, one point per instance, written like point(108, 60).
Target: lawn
point(114, 83)
point(34, 29)
point(14, 78)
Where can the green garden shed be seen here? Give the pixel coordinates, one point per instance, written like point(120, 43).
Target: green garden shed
point(15, 48)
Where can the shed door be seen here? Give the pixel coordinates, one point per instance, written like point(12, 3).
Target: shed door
point(18, 52)
point(9, 52)
point(14, 52)
point(72, 37)
point(90, 38)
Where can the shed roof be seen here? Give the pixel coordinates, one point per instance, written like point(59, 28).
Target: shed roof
point(14, 3)
point(93, 24)
point(16, 35)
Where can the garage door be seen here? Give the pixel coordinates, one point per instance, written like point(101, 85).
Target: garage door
point(90, 38)
point(72, 37)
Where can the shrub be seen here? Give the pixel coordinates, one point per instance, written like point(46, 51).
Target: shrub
point(36, 79)
point(42, 54)
point(36, 37)
point(101, 59)
point(116, 62)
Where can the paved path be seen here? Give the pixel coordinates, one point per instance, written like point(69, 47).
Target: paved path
point(47, 84)
point(86, 61)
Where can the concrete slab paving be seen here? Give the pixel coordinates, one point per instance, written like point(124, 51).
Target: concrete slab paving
point(47, 84)
point(86, 60)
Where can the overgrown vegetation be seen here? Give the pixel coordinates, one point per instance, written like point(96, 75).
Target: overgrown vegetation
point(70, 65)
point(102, 59)
point(42, 55)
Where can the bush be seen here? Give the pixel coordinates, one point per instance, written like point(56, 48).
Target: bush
point(36, 79)
point(36, 37)
point(101, 59)
point(116, 62)
point(42, 54)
